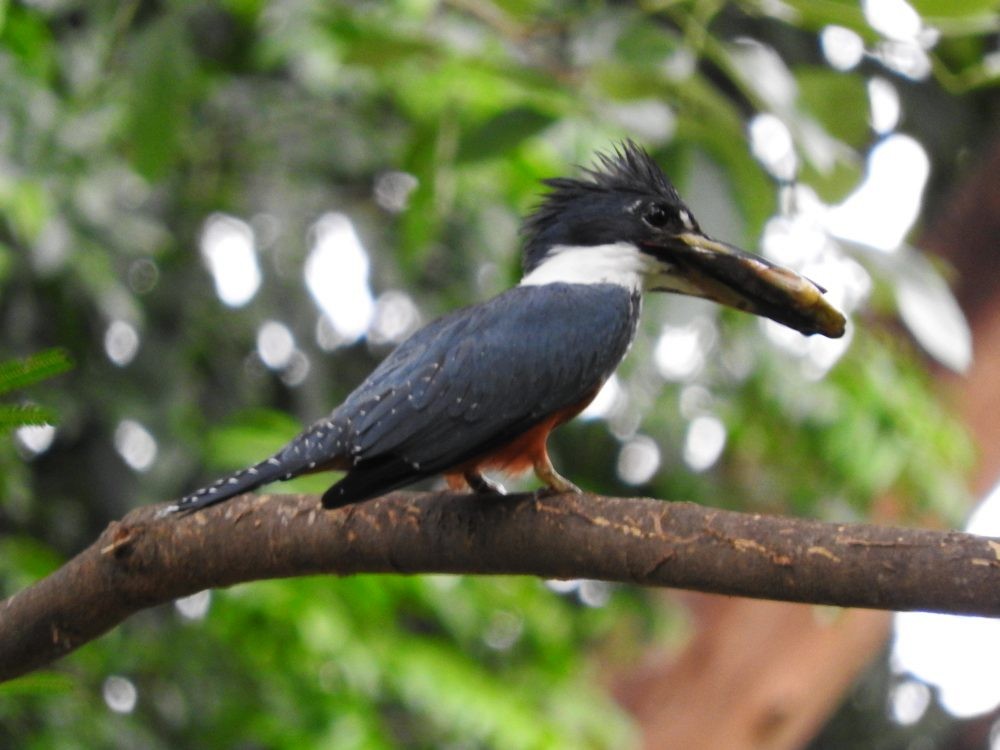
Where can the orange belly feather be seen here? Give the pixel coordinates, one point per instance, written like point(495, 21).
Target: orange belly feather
point(524, 451)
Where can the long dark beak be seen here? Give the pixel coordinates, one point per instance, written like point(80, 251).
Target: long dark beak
point(698, 265)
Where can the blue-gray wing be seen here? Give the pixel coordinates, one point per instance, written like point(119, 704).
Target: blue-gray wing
point(474, 380)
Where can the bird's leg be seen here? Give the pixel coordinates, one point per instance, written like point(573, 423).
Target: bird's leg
point(555, 483)
point(483, 485)
point(473, 480)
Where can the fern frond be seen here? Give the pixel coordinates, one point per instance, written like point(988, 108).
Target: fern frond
point(20, 373)
point(20, 415)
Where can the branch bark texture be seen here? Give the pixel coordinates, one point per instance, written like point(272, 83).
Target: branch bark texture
point(144, 559)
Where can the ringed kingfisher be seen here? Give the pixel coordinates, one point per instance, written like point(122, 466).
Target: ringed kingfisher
point(481, 388)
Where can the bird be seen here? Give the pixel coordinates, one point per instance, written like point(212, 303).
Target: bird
point(481, 388)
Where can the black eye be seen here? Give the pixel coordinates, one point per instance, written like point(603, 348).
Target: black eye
point(656, 215)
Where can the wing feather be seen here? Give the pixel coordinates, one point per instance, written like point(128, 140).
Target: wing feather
point(477, 378)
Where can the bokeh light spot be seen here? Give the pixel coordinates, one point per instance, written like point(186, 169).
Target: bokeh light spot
point(884, 207)
point(561, 586)
point(908, 702)
point(704, 441)
point(336, 274)
point(296, 369)
point(121, 342)
point(954, 654)
point(195, 606)
point(638, 460)
point(35, 438)
point(895, 19)
point(884, 103)
point(227, 246)
point(120, 694)
point(143, 275)
point(680, 351)
point(135, 444)
point(395, 318)
point(842, 47)
point(275, 344)
point(772, 145)
point(609, 401)
point(393, 190)
point(504, 631)
point(594, 593)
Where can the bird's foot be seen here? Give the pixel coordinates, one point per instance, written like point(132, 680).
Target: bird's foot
point(555, 483)
point(558, 486)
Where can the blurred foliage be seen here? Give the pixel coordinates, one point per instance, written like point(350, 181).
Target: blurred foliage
point(19, 374)
point(123, 125)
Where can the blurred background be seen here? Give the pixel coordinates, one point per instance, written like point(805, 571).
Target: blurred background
point(225, 213)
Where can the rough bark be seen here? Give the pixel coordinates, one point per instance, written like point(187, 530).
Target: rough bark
point(144, 559)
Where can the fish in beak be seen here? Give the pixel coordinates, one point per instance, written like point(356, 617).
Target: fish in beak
point(694, 264)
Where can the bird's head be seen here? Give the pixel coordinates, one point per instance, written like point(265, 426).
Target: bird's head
point(623, 222)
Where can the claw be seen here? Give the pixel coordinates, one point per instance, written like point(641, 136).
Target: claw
point(555, 483)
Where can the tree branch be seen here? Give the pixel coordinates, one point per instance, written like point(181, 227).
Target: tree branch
point(144, 560)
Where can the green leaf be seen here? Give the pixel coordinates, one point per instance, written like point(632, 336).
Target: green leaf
point(954, 8)
point(381, 48)
point(25, 203)
point(6, 261)
point(815, 14)
point(24, 560)
point(25, 34)
point(162, 85)
point(646, 45)
point(20, 415)
point(247, 10)
point(17, 374)
point(838, 100)
point(500, 135)
point(37, 684)
point(835, 184)
point(754, 190)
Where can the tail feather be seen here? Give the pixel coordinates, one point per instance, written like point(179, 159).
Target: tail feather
point(232, 485)
point(317, 448)
point(370, 479)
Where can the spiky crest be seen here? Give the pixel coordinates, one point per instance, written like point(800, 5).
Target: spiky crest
point(627, 169)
